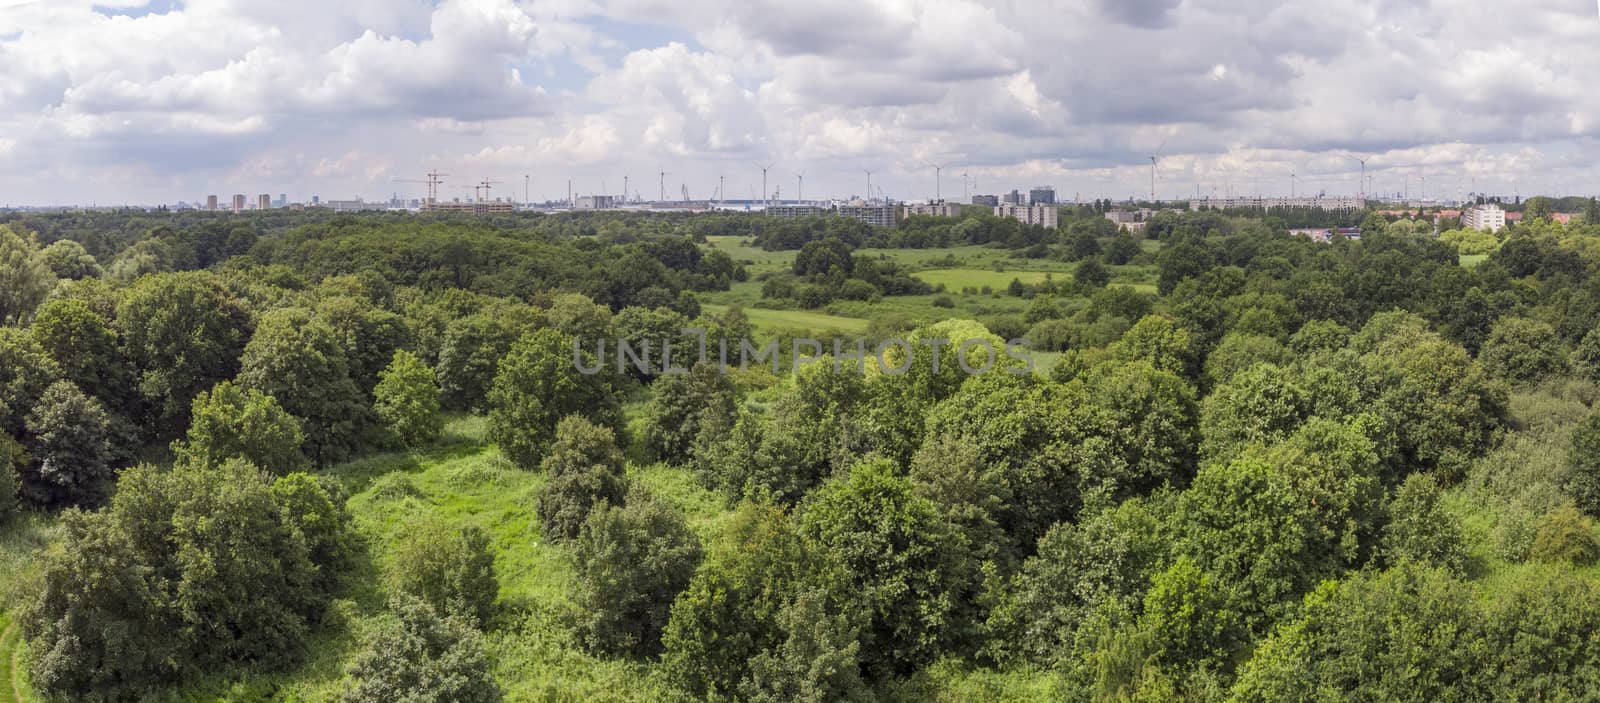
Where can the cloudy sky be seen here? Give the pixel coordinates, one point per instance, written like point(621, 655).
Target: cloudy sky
point(162, 100)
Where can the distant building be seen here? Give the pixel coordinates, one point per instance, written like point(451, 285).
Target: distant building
point(263, 202)
point(475, 207)
point(875, 214)
point(1012, 198)
point(357, 205)
point(1484, 217)
point(1317, 203)
point(1133, 220)
point(238, 202)
point(1043, 215)
point(790, 211)
point(211, 203)
point(933, 209)
point(283, 200)
point(986, 200)
point(595, 202)
point(1042, 195)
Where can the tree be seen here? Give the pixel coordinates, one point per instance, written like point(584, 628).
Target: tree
point(450, 569)
point(1261, 404)
point(68, 260)
point(183, 333)
point(633, 561)
point(25, 372)
point(1591, 212)
point(69, 440)
point(901, 559)
point(190, 570)
point(423, 657)
point(583, 470)
point(1237, 352)
point(369, 336)
point(1522, 350)
point(12, 459)
point(1566, 535)
point(84, 346)
point(1419, 530)
point(536, 387)
point(25, 278)
point(1159, 340)
point(407, 400)
point(1090, 273)
point(470, 358)
point(682, 406)
point(232, 422)
point(298, 360)
point(1583, 458)
point(817, 662)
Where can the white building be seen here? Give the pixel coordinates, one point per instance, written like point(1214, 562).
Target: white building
point(933, 209)
point(875, 214)
point(796, 210)
point(1046, 216)
point(595, 202)
point(1484, 217)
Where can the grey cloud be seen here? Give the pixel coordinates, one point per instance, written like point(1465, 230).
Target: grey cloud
point(1149, 14)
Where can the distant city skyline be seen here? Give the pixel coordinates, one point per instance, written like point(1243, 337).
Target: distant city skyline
point(152, 102)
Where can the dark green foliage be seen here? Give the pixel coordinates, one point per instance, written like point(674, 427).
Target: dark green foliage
point(183, 333)
point(231, 422)
point(299, 361)
point(1237, 352)
point(684, 405)
point(69, 438)
point(69, 260)
point(1566, 535)
point(407, 400)
point(12, 459)
point(1091, 274)
point(470, 358)
point(25, 277)
point(817, 662)
point(451, 570)
point(1419, 530)
point(423, 657)
point(188, 571)
point(536, 387)
point(633, 561)
point(1522, 350)
point(584, 469)
point(902, 559)
point(369, 336)
point(25, 372)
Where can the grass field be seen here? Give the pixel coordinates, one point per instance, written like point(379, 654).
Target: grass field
point(768, 320)
point(962, 278)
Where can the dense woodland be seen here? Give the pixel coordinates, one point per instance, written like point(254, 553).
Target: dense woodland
point(299, 456)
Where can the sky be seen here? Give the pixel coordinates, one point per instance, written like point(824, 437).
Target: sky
point(156, 101)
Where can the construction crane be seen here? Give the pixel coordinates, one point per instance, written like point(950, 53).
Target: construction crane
point(434, 180)
point(486, 185)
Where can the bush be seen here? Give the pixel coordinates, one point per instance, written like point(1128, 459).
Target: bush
point(407, 400)
point(1522, 350)
point(633, 562)
point(1583, 481)
point(536, 387)
point(450, 569)
point(943, 301)
point(1419, 530)
point(423, 657)
point(12, 459)
point(584, 469)
point(1566, 536)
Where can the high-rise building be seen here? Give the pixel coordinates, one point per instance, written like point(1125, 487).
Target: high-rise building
point(1042, 195)
point(1484, 217)
point(263, 202)
point(877, 214)
point(1043, 215)
point(796, 210)
point(933, 209)
point(211, 203)
point(238, 202)
point(986, 200)
point(1012, 198)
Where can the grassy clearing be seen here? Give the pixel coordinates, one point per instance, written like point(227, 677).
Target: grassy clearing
point(958, 279)
point(1472, 260)
point(765, 320)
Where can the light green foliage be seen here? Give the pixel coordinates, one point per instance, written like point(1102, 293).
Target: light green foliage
point(183, 333)
point(1259, 405)
point(1470, 242)
point(537, 386)
point(25, 372)
point(1190, 622)
point(25, 277)
point(1159, 341)
point(1419, 529)
point(902, 560)
point(633, 561)
point(231, 422)
point(450, 569)
point(1318, 336)
point(583, 470)
point(188, 571)
point(68, 260)
point(1238, 351)
point(69, 438)
point(299, 361)
point(682, 406)
point(407, 400)
point(84, 346)
point(1522, 350)
point(1566, 535)
point(423, 657)
point(1275, 522)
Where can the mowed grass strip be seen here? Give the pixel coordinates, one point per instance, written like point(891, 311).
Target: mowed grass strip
point(767, 320)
